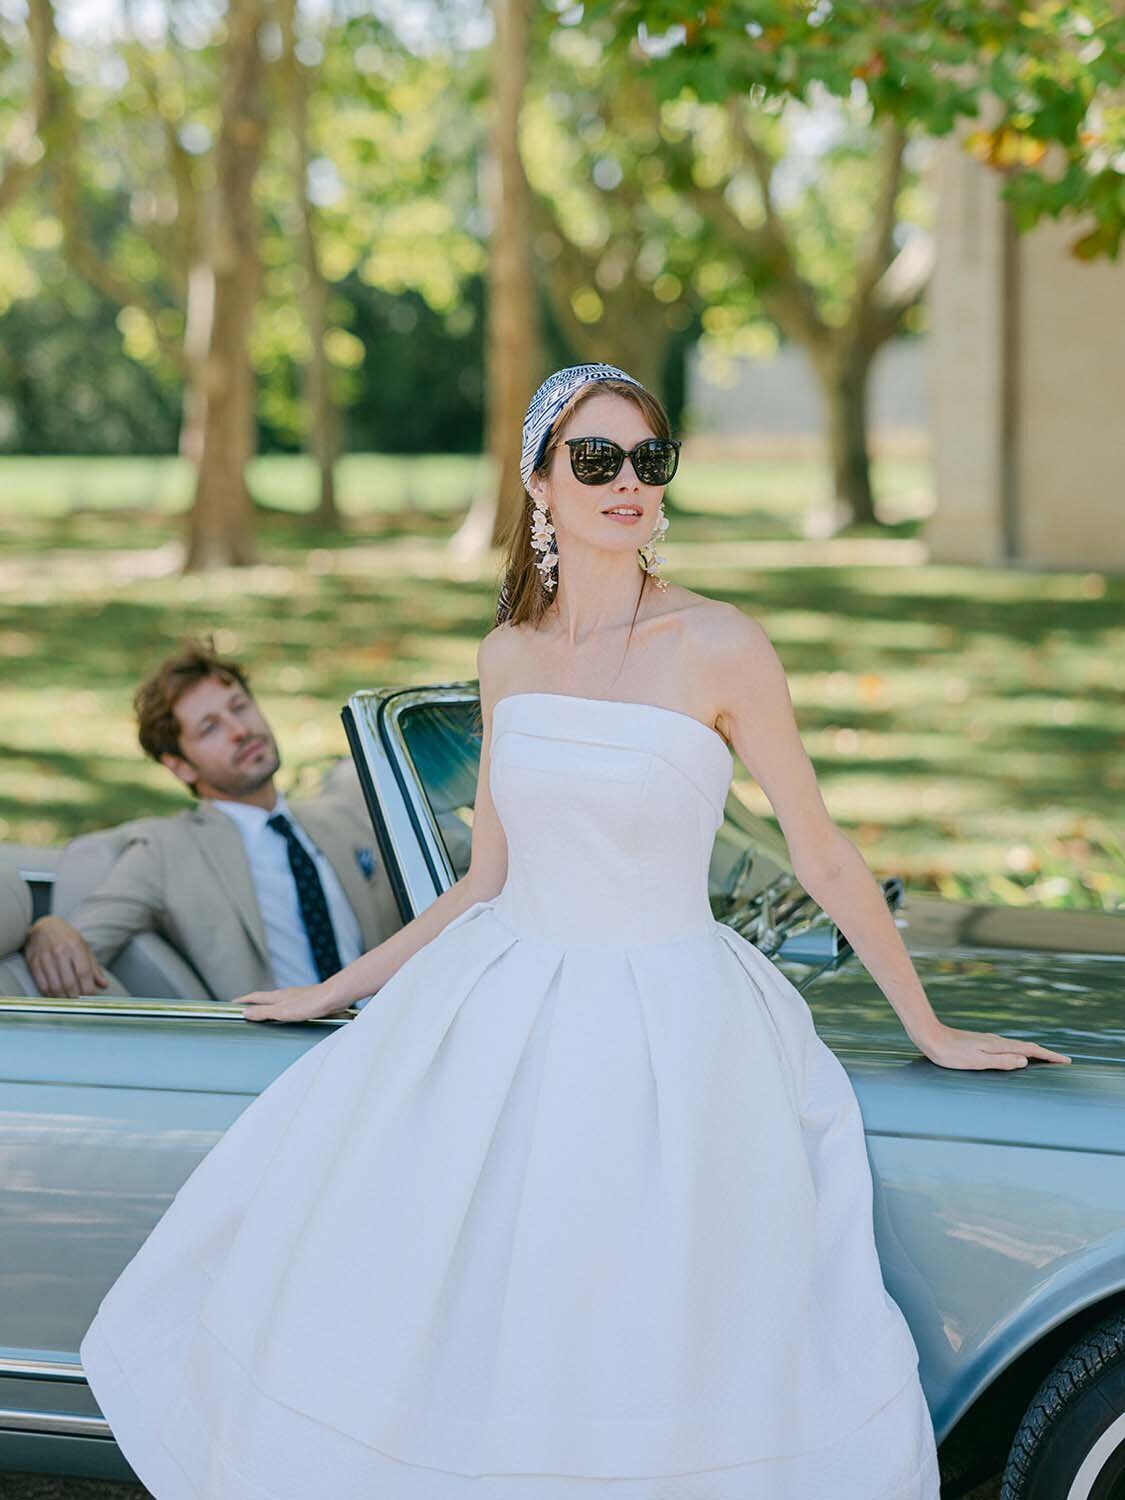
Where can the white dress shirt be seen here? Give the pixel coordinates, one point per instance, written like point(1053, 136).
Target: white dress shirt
point(267, 851)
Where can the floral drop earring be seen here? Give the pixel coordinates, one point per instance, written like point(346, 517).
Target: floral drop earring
point(542, 541)
point(652, 559)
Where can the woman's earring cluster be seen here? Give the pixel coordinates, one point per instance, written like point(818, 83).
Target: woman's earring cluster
point(543, 542)
point(652, 559)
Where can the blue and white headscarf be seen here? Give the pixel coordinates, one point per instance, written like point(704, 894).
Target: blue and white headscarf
point(548, 401)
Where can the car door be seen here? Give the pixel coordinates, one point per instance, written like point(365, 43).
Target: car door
point(106, 1106)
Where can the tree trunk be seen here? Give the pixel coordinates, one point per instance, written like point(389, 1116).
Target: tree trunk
point(220, 528)
point(513, 358)
point(844, 379)
point(841, 356)
point(199, 319)
point(321, 418)
point(324, 437)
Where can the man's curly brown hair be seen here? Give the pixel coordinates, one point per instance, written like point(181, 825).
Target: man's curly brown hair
point(156, 698)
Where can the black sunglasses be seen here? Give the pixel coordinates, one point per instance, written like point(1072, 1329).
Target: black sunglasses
point(597, 460)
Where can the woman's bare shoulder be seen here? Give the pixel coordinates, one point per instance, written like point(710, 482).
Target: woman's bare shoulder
point(715, 628)
point(498, 653)
point(725, 645)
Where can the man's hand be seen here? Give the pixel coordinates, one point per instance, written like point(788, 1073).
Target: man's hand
point(299, 1002)
point(60, 960)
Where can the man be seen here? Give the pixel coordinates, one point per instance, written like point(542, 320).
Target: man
point(255, 893)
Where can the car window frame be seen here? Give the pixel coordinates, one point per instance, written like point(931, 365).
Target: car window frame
point(420, 869)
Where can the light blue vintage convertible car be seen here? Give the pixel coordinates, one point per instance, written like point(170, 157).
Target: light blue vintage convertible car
point(999, 1196)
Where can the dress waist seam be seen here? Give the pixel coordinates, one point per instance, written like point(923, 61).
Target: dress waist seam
point(529, 935)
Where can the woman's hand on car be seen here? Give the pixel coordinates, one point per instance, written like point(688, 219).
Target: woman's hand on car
point(299, 1002)
point(952, 1047)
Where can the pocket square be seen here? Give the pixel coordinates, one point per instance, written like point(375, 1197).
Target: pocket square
point(365, 859)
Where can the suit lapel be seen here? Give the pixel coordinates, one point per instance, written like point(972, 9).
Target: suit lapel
point(326, 832)
point(221, 844)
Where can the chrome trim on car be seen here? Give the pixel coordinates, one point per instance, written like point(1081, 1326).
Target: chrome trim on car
point(30, 1367)
point(403, 817)
point(55, 1423)
point(129, 1009)
point(393, 709)
point(382, 789)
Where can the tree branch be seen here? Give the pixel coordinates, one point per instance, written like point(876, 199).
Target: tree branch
point(878, 252)
point(902, 284)
point(25, 163)
point(571, 266)
point(182, 247)
point(60, 135)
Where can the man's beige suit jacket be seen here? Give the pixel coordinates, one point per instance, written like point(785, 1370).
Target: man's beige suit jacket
point(187, 878)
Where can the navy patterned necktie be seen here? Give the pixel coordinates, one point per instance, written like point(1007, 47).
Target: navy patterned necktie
point(310, 894)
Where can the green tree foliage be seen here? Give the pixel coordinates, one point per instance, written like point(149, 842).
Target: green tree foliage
point(614, 244)
point(1036, 87)
point(64, 385)
point(395, 136)
point(758, 221)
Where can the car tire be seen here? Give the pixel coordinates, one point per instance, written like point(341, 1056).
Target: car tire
point(1070, 1444)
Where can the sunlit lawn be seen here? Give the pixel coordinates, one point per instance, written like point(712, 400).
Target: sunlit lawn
point(966, 724)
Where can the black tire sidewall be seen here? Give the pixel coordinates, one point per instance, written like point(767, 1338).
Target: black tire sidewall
point(1068, 1439)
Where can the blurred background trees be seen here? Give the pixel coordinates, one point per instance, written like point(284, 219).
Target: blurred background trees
point(309, 225)
point(277, 278)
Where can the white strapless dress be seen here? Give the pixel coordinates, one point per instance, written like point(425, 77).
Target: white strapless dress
point(577, 1206)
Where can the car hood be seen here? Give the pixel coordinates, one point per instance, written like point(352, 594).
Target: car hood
point(1054, 977)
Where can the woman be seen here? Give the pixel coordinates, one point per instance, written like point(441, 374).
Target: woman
point(579, 1205)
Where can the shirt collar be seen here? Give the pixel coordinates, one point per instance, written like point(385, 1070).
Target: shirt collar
point(250, 818)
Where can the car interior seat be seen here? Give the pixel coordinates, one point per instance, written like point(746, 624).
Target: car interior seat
point(25, 890)
point(15, 919)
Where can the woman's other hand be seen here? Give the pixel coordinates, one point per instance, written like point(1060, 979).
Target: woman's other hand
point(951, 1047)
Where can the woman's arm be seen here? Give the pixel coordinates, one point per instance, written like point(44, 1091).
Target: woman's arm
point(367, 974)
point(488, 864)
point(757, 715)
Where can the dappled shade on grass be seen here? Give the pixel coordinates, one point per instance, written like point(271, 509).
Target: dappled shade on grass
point(965, 723)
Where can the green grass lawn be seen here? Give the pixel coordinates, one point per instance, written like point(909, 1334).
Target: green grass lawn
point(966, 724)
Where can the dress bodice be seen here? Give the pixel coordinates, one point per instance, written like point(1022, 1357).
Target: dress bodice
point(610, 810)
